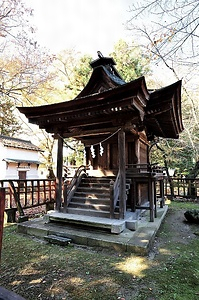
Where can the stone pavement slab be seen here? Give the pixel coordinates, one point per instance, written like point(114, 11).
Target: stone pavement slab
point(116, 226)
point(138, 241)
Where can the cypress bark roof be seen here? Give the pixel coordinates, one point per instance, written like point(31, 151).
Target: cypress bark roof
point(108, 103)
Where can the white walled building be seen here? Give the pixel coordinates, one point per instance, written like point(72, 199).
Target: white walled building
point(19, 159)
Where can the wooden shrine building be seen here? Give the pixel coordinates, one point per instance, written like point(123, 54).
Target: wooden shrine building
point(115, 121)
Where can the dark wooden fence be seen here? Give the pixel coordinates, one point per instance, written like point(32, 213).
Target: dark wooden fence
point(25, 194)
point(182, 187)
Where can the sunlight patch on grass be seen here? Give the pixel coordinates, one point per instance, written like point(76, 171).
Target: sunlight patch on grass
point(29, 270)
point(16, 282)
point(76, 280)
point(106, 282)
point(133, 265)
point(165, 251)
point(167, 201)
point(35, 281)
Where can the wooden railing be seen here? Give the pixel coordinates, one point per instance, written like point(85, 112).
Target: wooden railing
point(182, 187)
point(145, 168)
point(114, 194)
point(23, 194)
point(69, 189)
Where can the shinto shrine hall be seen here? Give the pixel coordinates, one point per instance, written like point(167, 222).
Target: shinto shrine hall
point(116, 121)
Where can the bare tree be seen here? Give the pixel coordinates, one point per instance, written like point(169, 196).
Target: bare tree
point(12, 21)
point(171, 29)
point(73, 71)
point(23, 64)
point(25, 75)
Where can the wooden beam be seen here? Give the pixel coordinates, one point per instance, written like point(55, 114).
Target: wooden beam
point(94, 109)
point(92, 132)
point(105, 123)
point(122, 170)
point(155, 121)
point(59, 173)
point(2, 208)
point(89, 120)
point(157, 109)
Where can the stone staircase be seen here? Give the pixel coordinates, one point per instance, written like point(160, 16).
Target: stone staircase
point(92, 198)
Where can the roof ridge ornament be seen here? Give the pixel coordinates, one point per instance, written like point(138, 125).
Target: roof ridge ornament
point(99, 53)
point(108, 63)
point(102, 61)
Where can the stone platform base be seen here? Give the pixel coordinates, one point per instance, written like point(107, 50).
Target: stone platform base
point(138, 241)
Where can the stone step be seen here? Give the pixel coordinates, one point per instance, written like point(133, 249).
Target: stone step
point(89, 194)
point(95, 184)
point(98, 179)
point(115, 226)
point(99, 190)
point(101, 179)
point(92, 197)
point(88, 212)
point(90, 200)
point(80, 198)
point(99, 207)
point(101, 182)
point(59, 240)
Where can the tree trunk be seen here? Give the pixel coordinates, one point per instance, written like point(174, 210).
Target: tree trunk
point(16, 198)
point(169, 179)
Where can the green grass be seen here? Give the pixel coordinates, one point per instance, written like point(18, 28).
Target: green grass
point(37, 270)
point(184, 205)
point(176, 275)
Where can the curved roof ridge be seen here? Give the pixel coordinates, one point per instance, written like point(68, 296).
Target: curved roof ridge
point(102, 78)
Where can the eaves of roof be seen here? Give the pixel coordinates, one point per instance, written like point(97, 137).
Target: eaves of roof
point(28, 161)
point(18, 143)
point(163, 112)
point(134, 88)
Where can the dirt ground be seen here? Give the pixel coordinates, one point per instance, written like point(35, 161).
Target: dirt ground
point(95, 274)
point(178, 231)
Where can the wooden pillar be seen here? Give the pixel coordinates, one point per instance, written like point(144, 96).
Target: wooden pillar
point(65, 197)
point(151, 187)
point(162, 193)
point(2, 208)
point(122, 170)
point(59, 173)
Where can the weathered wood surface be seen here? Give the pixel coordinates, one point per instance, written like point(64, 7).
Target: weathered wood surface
point(27, 194)
point(59, 173)
point(16, 198)
point(108, 103)
point(2, 207)
point(182, 187)
point(122, 172)
point(30, 193)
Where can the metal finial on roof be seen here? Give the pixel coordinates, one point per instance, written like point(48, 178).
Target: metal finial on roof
point(100, 55)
